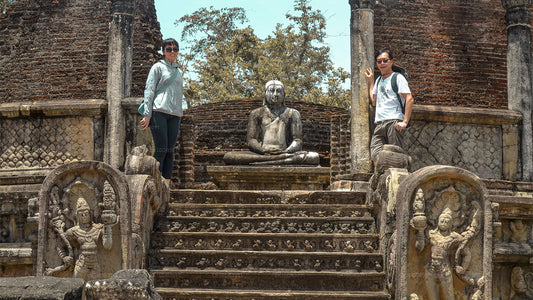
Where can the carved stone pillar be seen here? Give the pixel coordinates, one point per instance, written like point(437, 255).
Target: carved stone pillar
point(362, 49)
point(520, 74)
point(119, 71)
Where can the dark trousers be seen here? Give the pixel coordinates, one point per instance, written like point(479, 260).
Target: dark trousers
point(165, 129)
point(385, 133)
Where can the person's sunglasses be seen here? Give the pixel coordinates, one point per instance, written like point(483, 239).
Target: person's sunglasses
point(173, 49)
point(379, 61)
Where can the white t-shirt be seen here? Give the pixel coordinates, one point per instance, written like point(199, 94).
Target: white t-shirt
point(387, 105)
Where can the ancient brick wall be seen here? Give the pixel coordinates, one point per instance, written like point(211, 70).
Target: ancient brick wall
point(52, 50)
point(453, 50)
point(223, 125)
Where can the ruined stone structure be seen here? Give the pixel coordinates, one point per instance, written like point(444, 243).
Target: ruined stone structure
point(449, 217)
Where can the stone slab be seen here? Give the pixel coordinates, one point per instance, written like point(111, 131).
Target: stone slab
point(15, 254)
point(41, 287)
point(270, 177)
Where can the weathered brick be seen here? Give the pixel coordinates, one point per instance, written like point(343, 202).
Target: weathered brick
point(453, 50)
point(58, 50)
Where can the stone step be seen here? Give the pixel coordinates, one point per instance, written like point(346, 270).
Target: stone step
point(361, 225)
point(355, 262)
point(210, 294)
point(268, 210)
point(250, 244)
point(272, 280)
point(267, 197)
point(266, 241)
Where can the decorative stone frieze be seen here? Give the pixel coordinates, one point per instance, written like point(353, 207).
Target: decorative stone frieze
point(124, 285)
point(518, 16)
point(45, 143)
point(516, 3)
point(365, 4)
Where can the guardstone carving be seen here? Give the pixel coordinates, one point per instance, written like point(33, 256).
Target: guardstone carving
point(446, 222)
point(84, 222)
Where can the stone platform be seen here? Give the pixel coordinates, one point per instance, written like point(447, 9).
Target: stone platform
point(270, 177)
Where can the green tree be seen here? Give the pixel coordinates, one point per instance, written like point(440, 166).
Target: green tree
point(227, 62)
point(4, 4)
point(211, 34)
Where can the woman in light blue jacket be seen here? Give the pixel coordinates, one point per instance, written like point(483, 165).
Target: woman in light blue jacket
point(163, 96)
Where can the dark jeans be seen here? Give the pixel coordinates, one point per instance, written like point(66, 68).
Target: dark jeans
point(385, 133)
point(165, 129)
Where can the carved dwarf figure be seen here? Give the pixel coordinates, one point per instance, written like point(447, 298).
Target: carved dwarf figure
point(274, 133)
point(519, 231)
point(519, 288)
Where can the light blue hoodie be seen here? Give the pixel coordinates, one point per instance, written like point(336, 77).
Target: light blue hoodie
point(170, 100)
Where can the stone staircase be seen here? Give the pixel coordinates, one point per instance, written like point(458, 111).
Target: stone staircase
point(267, 245)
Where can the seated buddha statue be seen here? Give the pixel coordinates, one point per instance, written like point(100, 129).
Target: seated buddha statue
point(274, 134)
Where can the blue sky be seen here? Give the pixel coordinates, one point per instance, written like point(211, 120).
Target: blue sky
point(263, 16)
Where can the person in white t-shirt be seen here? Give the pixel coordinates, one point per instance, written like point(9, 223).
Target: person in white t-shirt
point(390, 119)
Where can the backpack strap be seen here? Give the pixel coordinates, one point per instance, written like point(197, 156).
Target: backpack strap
point(394, 83)
point(378, 80)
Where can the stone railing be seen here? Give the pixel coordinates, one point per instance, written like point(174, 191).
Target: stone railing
point(483, 141)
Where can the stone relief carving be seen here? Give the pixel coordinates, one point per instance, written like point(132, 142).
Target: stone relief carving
point(84, 222)
point(149, 193)
point(442, 239)
point(123, 285)
point(53, 144)
point(446, 254)
point(476, 148)
point(419, 220)
point(445, 243)
point(12, 220)
point(521, 284)
point(518, 230)
point(79, 237)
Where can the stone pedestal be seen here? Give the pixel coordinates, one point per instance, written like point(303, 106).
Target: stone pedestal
point(270, 177)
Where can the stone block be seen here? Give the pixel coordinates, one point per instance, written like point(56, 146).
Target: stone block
point(41, 287)
point(271, 177)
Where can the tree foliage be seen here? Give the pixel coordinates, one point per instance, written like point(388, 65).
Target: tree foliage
point(227, 60)
point(4, 5)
